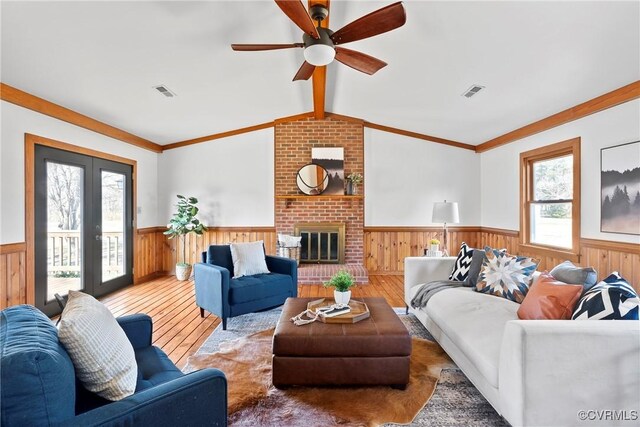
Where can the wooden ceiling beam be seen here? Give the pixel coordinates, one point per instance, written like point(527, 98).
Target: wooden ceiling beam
point(48, 108)
point(319, 77)
point(239, 131)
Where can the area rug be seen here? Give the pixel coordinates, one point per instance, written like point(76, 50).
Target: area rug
point(245, 356)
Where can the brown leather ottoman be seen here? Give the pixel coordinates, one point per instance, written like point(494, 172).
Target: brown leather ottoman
point(375, 351)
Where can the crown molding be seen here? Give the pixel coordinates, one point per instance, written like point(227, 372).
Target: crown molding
point(600, 103)
point(48, 108)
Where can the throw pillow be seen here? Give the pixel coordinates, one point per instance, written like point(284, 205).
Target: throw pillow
point(461, 267)
point(568, 273)
point(102, 355)
point(611, 299)
point(476, 265)
point(248, 259)
point(549, 299)
point(506, 276)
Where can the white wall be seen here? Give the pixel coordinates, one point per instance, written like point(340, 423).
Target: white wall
point(405, 176)
point(233, 179)
point(500, 168)
point(16, 121)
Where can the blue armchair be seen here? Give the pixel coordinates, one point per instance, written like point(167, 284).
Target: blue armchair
point(39, 386)
point(220, 294)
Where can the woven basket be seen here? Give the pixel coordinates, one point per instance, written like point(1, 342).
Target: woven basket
point(292, 253)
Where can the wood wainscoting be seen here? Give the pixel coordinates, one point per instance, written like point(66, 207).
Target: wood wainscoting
point(148, 249)
point(13, 281)
point(385, 248)
point(195, 245)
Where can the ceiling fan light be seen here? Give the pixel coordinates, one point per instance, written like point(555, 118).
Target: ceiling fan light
point(319, 54)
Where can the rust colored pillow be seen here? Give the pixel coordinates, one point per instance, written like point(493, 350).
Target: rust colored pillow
point(549, 299)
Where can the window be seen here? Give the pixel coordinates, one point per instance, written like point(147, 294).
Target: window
point(550, 199)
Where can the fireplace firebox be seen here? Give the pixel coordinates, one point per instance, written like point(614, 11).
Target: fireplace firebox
point(322, 242)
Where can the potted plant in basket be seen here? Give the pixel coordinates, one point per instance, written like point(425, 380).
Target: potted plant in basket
point(183, 222)
point(435, 244)
point(355, 179)
point(342, 281)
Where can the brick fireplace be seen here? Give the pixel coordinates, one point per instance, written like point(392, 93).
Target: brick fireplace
point(293, 143)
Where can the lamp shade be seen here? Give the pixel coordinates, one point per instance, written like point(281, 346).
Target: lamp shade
point(445, 212)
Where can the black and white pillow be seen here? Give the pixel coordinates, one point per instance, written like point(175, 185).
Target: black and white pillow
point(463, 263)
point(611, 299)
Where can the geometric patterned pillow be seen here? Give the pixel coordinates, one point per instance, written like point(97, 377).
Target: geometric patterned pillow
point(505, 275)
point(460, 270)
point(611, 299)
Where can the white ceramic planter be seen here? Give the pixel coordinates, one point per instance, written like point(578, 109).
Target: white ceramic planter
point(183, 272)
point(435, 247)
point(342, 297)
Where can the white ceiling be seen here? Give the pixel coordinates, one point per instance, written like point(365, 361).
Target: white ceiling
point(102, 59)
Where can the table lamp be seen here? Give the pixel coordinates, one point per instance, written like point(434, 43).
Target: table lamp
point(445, 212)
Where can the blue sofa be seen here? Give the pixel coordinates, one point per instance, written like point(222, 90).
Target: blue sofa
point(39, 387)
point(220, 294)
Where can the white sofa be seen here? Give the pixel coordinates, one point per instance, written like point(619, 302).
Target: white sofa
point(533, 372)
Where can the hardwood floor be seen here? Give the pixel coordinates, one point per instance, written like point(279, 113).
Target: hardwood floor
point(177, 326)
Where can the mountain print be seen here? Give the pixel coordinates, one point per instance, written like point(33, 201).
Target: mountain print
point(620, 189)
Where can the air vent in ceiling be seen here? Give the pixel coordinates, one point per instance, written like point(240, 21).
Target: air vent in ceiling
point(472, 91)
point(165, 91)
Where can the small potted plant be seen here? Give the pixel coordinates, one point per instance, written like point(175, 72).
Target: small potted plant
point(354, 179)
point(342, 281)
point(183, 222)
point(435, 244)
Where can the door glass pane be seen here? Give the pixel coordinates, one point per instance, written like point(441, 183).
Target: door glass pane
point(113, 225)
point(553, 179)
point(64, 226)
point(551, 224)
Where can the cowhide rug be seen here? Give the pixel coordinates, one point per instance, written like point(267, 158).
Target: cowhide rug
point(253, 401)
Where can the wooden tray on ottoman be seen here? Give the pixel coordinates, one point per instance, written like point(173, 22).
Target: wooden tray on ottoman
point(359, 311)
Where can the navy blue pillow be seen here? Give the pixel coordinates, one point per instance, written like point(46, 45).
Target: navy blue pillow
point(612, 299)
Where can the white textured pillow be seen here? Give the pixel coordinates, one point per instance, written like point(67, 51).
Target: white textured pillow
point(101, 353)
point(248, 259)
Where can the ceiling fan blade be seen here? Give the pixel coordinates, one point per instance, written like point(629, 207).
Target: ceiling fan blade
point(359, 61)
point(297, 12)
point(254, 47)
point(382, 20)
point(305, 71)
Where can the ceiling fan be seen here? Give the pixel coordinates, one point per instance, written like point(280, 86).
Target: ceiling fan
point(321, 44)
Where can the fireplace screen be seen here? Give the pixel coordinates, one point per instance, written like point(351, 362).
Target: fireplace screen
point(321, 242)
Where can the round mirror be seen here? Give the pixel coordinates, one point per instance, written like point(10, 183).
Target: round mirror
point(312, 179)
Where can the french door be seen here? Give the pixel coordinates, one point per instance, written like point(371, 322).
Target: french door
point(83, 225)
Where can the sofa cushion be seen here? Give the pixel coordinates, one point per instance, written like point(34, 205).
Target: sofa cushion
point(154, 368)
point(37, 377)
point(475, 322)
point(258, 287)
point(549, 299)
point(505, 275)
point(101, 352)
point(611, 299)
point(248, 259)
point(220, 255)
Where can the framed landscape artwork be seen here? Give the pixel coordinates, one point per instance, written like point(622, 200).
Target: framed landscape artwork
point(332, 159)
point(620, 189)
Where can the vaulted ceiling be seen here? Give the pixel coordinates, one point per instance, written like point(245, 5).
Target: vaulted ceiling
point(103, 58)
